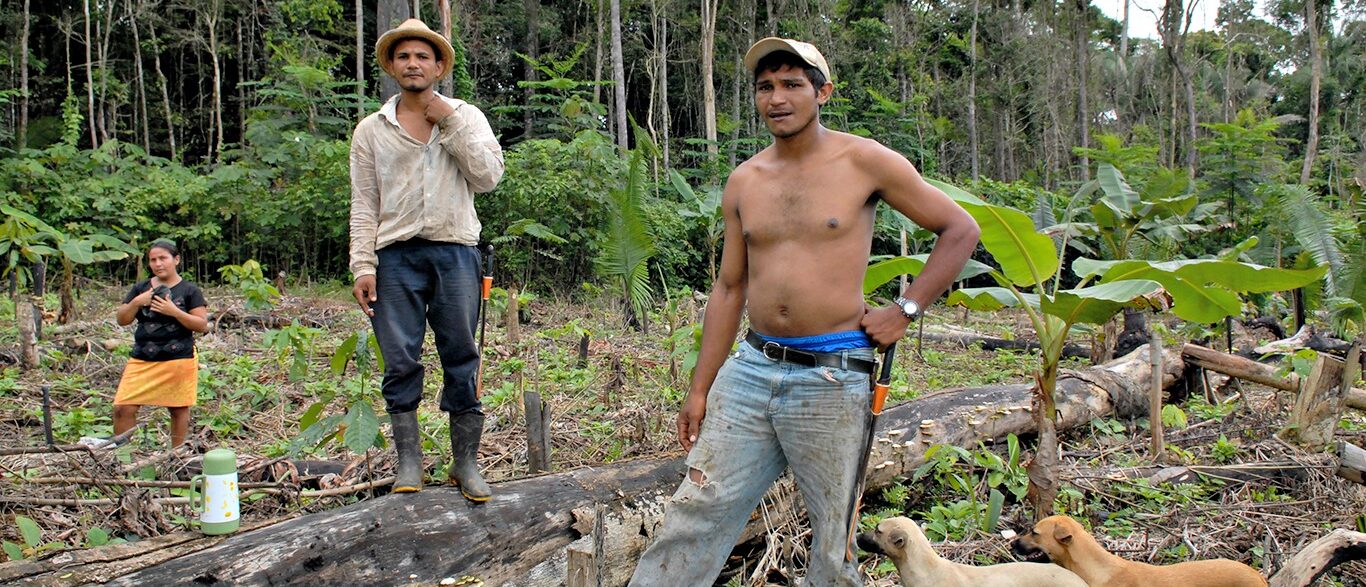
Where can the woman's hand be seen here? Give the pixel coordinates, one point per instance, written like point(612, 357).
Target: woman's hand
point(143, 299)
point(164, 305)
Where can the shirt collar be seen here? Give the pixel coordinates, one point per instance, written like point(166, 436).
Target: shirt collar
point(389, 111)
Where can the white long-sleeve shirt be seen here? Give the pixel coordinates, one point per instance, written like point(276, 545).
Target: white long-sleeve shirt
point(402, 188)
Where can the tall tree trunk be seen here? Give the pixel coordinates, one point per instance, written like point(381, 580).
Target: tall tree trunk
point(443, 10)
point(89, 78)
point(972, 94)
point(388, 14)
point(1311, 145)
point(211, 17)
point(105, 115)
point(21, 135)
point(597, 51)
point(708, 86)
point(145, 134)
point(532, 8)
point(664, 84)
point(165, 93)
point(1125, 102)
point(360, 59)
point(1082, 37)
point(618, 77)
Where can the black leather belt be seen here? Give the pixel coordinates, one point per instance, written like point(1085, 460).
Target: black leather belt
point(779, 352)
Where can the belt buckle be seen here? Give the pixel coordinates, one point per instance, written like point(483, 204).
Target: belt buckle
point(774, 351)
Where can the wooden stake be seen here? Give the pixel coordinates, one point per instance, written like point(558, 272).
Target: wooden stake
point(1155, 392)
point(537, 433)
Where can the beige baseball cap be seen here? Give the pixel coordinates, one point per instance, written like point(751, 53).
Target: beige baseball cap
point(806, 51)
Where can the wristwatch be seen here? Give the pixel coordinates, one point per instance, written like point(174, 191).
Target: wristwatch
point(909, 308)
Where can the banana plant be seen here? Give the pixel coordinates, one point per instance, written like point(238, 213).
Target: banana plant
point(1029, 277)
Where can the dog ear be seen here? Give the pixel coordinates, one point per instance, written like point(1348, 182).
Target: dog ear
point(1062, 534)
point(899, 539)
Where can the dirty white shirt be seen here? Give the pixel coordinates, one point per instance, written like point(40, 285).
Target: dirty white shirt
point(402, 188)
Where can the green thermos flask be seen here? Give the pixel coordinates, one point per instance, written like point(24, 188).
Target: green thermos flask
point(213, 495)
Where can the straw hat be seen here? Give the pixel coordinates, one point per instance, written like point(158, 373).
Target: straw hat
point(806, 51)
point(414, 29)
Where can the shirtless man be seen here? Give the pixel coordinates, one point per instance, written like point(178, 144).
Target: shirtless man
point(799, 226)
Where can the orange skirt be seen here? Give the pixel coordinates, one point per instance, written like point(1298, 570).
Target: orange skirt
point(173, 384)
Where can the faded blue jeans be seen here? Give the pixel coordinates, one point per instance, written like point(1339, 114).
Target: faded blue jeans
point(420, 282)
point(763, 416)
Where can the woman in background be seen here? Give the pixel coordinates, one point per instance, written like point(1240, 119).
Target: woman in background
point(163, 369)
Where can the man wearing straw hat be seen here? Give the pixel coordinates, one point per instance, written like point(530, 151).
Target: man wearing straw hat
point(799, 224)
point(415, 167)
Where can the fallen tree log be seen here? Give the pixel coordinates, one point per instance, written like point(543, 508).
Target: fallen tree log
point(1250, 370)
point(1351, 462)
point(523, 535)
point(1338, 547)
point(988, 343)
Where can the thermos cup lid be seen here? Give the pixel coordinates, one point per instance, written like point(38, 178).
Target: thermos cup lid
point(220, 461)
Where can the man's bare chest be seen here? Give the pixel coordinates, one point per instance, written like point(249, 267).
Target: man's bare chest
point(807, 206)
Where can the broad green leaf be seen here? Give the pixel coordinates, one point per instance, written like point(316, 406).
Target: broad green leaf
point(311, 415)
point(344, 353)
point(1239, 277)
point(955, 193)
point(373, 343)
point(1026, 257)
point(13, 551)
point(1118, 194)
point(96, 537)
point(29, 530)
point(1202, 290)
point(885, 271)
point(360, 435)
point(1167, 184)
point(681, 185)
point(988, 298)
point(315, 435)
point(79, 252)
point(1098, 303)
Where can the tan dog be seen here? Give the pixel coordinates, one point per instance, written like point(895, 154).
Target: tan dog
point(1062, 540)
point(919, 566)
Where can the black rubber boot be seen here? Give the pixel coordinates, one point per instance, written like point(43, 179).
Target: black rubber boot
point(409, 447)
point(466, 429)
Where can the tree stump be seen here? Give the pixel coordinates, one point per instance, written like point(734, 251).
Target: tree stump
point(1318, 407)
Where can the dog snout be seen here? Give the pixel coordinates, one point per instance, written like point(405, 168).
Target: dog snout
point(866, 543)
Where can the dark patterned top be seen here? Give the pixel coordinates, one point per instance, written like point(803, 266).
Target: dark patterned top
point(160, 337)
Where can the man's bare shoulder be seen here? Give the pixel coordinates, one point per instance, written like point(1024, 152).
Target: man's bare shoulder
point(864, 149)
point(752, 167)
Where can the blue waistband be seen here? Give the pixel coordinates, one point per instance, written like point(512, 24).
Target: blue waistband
point(824, 343)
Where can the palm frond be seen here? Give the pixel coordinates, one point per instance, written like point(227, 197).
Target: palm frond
point(628, 242)
point(1313, 229)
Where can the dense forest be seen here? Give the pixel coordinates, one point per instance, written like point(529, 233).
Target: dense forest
point(224, 123)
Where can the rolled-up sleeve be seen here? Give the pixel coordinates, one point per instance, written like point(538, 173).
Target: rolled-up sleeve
point(467, 136)
point(364, 205)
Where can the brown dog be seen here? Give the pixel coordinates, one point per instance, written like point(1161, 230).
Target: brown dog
point(1062, 540)
point(919, 566)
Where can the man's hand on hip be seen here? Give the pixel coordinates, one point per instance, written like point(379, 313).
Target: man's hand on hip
point(437, 109)
point(690, 419)
point(364, 290)
point(884, 324)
